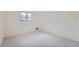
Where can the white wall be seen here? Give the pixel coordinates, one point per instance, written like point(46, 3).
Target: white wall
point(60, 23)
point(77, 27)
point(1, 26)
point(15, 27)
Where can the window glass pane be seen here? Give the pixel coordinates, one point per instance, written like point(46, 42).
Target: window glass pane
point(25, 15)
point(29, 16)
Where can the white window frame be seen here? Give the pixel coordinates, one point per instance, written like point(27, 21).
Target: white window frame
point(25, 16)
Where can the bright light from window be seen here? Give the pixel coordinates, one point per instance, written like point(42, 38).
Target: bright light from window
point(25, 16)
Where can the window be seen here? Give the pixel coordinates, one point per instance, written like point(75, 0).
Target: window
point(25, 15)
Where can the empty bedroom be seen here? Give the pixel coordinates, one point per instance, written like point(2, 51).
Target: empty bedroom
point(39, 28)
